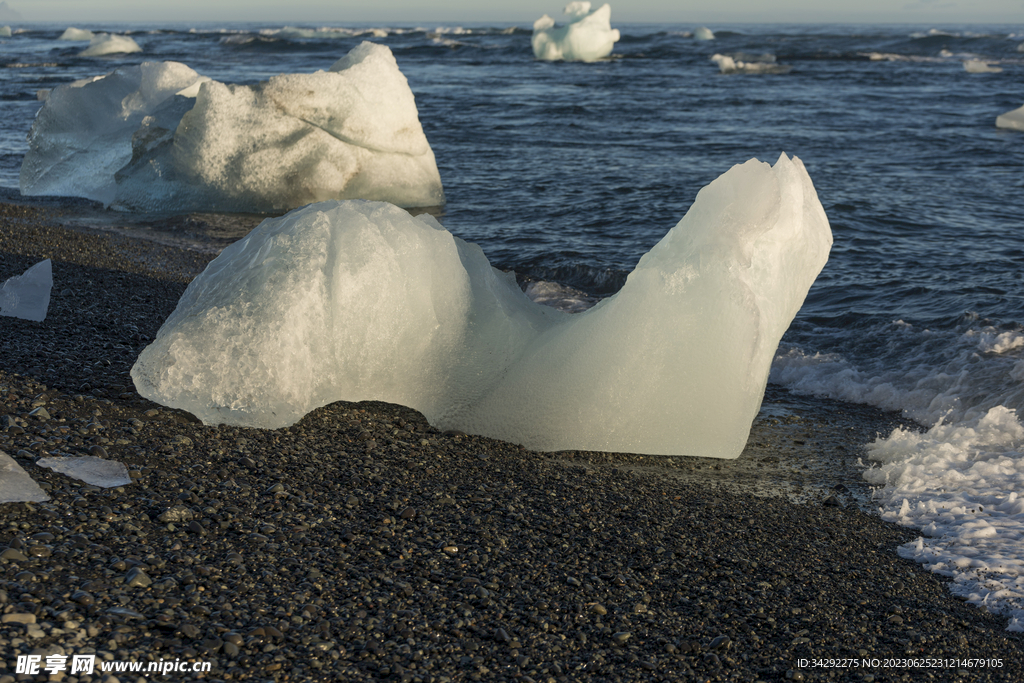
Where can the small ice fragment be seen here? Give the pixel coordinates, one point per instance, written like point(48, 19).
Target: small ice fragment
point(587, 37)
point(703, 33)
point(109, 44)
point(90, 469)
point(72, 33)
point(27, 296)
point(16, 486)
point(727, 64)
point(1012, 119)
point(977, 66)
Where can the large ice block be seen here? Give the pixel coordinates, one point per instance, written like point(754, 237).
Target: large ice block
point(360, 300)
point(27, 296)
point(587, 37)
point(159, 137)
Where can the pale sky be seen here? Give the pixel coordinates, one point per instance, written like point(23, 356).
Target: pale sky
point(924, 12)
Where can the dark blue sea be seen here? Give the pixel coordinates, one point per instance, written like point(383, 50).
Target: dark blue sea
point(569, 172)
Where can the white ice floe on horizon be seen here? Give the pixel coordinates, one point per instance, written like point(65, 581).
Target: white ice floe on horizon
point(979, 66)
point(729, 65)
point(90, 469)
point(359, 300)
point(76, 34)
point(703, 33)
point(103, 44)
point(16, 485)
point(587, 37)
point(27, 296)
point(159, 136)
point(1013, 119)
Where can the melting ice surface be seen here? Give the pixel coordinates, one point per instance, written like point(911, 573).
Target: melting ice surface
point(360, 300)
point(1012, 119)
point(704, 33)
point(959, 482)
point(90, 469)
point(588, 35)
point(27, 296)
point(16, 486)
point(159, 136)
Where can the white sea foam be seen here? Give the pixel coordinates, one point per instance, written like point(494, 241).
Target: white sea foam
point(958, 481)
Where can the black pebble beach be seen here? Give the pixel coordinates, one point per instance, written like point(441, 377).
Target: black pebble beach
point(363, 545)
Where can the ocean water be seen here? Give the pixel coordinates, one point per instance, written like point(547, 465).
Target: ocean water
point(567, 173)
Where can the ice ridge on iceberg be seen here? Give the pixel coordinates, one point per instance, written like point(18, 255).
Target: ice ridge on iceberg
point(160, 137)
point(587, 37)
point(359, 300)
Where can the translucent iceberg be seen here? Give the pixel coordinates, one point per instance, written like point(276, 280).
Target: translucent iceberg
point(588, 35)
point(703, 33)
point(1012, 119)
point(72, 33)
point(90, 469)
point(729, 65)
point(109, 44)
point(977, 66)
point(16, 486)
point(27, 296)
point(360, 300)
point(158, 137)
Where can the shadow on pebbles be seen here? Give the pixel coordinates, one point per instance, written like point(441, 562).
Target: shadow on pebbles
point(361, 544)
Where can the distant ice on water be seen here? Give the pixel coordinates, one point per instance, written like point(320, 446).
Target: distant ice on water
point(103, 44)
point(587, 37)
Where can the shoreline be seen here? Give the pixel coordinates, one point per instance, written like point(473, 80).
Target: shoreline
point(391, 551)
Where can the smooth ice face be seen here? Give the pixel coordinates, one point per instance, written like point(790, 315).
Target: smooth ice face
point(27, 296)
point(1012, 119)
point(72, 33)
point(109, 44)
point(90, 469)
point(359, 300)
point(161, 137)
point(16, 486)
point(588, 35)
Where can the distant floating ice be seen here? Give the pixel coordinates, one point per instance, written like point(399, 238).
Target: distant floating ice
point(16, 486)
point(977, 66)
point(1012, 119)
point(587, 37)
point(27, 296)
point(5, 32)
point(78, 34)
point(160, 137)
point(109, 44)
point(359, 300)
point(729, 65)
point(703, 33)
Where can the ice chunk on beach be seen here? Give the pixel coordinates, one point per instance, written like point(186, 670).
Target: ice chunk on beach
point(729, 65)
point(977, 66)
point(161, 137)
point(703, 33)
point(1012, 119)
point(72, 33)
point(587, 37)
point(109, 44)
point(90, 469)
point(359, 300)
point(27, 296)
point(16, 486)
